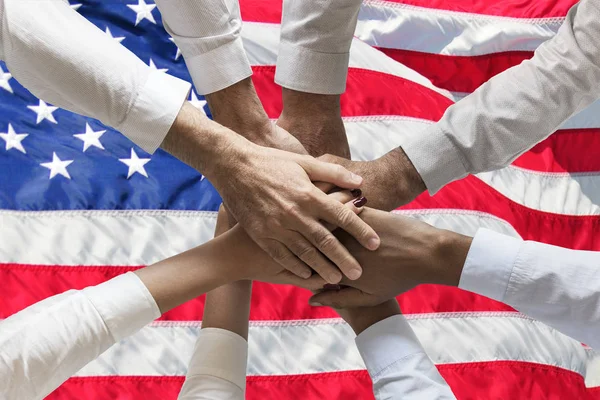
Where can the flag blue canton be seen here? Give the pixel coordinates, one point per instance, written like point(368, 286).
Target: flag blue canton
point(51, 169)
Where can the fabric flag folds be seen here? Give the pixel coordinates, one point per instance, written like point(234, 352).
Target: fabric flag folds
point(73, 213)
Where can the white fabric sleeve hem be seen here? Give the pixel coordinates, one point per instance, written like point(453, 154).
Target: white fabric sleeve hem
point(222, 354)
point(219, 68)
point(154, 110)
point(489, 264)
point(435, 158)
point(124, 303)
point(310, 71)
point(386, 342)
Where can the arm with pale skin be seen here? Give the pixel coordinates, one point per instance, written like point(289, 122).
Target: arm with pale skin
point(46, 343)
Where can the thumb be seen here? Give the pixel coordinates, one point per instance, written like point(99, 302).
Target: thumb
point(330, 173)
point(347, 297)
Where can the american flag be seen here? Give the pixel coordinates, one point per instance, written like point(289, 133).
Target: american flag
point(81, 204)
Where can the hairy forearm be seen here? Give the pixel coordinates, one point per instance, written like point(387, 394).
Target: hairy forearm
point(239, 108)
point(201, 143)
point(228, 307)
point(316, 121)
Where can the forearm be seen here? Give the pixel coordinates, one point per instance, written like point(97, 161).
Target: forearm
point(516, 109)
point(202, 143)
point(316, 121)
point(197, 271)
point(46, 46)
point(239, 108)
point(228, 307)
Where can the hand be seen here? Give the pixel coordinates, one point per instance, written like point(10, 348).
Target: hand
point(257, 265)
point(411, 253)
point(316, 121)
point(389, 181)
point(361, 318)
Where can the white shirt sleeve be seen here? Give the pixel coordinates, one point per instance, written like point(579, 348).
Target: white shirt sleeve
point(558, 286)
point(314, 49)
point(516, 109)
point(64, 59)
point(208, 34)
point(398, 364)
point(217, 370)
point(43, 345)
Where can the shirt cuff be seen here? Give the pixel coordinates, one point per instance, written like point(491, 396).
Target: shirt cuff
point(219, 68)
point(124, 303)
point(154, 110)
point(222, 354)
point(296, 68)
point(387, 342)
point(435, 158)
point(489, 264)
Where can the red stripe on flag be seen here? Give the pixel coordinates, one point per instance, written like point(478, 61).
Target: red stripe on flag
point(458, 73)
point(367, 93)
point(503, 8)
point(571, 231)
point(23, 285)
point(572, 151)
point(489, 380)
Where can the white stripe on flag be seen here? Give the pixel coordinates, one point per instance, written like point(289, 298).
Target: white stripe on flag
point(558, 193)
point(141, 237)
point(305, 347)
point(398, 26)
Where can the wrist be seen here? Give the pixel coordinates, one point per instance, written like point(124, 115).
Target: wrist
point(362, 318)
point(408, 182)
point(320, 107)
point(451, 253)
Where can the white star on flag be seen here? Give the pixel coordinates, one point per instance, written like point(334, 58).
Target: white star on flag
point(44, 111)
point(143, 11)
point(13, 140)
point(75, 6)
point(135, 164)
point(57, 166)
point(118, 39)
point(4, 78)
point(153, 67)
point(90, 138)
point(199, 104)
point(178, 53)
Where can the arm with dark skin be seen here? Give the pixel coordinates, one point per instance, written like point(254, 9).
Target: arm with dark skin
point(315, 120)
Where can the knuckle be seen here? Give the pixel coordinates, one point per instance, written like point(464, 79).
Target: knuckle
point(327, 243)
point(307, 253)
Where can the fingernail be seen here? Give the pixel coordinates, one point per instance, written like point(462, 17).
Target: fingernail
point(360, 202)
point(306, 274)
point(329, 286)
point(356, 192)
point(354, 274)
point(373, 243)
point(315, 304)
point(355, 178)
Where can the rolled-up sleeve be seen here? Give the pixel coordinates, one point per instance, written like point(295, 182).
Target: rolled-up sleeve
point(558, 286)
point(217, 370)
point(314, 49)
point(208, 34)
point(46, 343)
point(64, 59)
point(516, 109)
point(398, 364)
